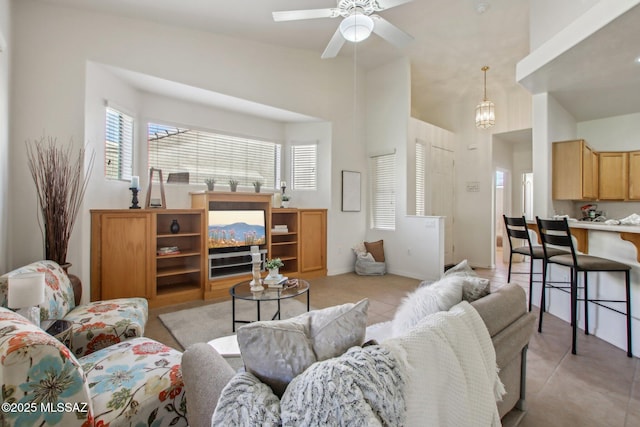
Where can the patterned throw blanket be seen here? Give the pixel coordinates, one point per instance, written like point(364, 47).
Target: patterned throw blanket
point(363, 387)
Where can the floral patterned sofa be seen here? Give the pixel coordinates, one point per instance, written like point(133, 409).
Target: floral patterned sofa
point(96, 325)
point(137, 382)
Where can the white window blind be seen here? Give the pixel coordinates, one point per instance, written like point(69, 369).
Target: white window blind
point(420, 171)
point(202, 155)
point(383, 192)
point(304, 160)
point(118, 145)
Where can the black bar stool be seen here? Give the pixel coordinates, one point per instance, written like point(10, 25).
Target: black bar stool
point(557, 233)
point(517, 229)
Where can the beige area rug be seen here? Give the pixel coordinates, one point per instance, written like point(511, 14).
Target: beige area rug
point(202, 324)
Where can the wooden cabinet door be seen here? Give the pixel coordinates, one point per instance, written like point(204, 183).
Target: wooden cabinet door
point(125, 248)
point(614, 176)
point(634, 175)
point(313, 240)
point(589, 173)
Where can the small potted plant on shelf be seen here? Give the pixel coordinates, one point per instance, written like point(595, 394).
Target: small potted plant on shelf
point(273, 265)
point(285, 201)
point(233, 184)
point(257, 185)
point(210, 182)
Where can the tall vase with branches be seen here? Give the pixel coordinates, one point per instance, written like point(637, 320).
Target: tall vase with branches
point(61, 183)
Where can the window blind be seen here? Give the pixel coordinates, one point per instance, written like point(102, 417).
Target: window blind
point(204, 155)
point(383, 187)
point(118, 155)
point(420, 171)
point(304, 166)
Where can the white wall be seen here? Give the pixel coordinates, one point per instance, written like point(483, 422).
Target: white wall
point(548, 17)
point(53, 45)
point(474, 164)
point(415, 247)
point(5, 51)
point(309, 133)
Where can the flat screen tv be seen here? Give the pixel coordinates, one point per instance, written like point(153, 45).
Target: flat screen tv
point(236, 229)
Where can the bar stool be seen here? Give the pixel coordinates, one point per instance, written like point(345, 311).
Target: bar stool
point(557, 233)
point(517, 229)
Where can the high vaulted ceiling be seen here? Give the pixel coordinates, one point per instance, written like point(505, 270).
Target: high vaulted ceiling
point(452, 39)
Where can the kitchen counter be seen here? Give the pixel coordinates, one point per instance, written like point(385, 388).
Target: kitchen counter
point(620, 243)
point(580, 230)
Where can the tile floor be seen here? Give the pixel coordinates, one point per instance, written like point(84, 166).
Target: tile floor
point(598, 387)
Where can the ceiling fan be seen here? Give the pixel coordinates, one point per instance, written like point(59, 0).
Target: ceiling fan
point(359, 20)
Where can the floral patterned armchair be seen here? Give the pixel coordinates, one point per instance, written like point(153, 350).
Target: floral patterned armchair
point(137, 382)
point(96, 325)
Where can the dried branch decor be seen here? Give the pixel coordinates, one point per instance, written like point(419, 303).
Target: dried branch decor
point(60, 185)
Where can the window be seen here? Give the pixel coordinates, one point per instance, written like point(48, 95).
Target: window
point(200, 155)
point(383, 196)
point(420, 171)
point(118, 155)
point(303, 166)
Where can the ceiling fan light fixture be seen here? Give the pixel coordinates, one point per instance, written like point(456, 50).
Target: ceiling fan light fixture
point(486, 110)
point(356, 27)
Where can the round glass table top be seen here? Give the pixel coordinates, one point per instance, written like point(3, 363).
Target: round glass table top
point(243, 291)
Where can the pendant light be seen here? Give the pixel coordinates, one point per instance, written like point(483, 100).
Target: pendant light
point(485, 111)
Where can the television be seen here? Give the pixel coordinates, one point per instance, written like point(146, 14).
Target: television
point(233, 229)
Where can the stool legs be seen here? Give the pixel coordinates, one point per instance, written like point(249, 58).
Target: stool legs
point(586, 305)
point(574, 307)
point(542, 294)
point(628, 290)
point(530, 280)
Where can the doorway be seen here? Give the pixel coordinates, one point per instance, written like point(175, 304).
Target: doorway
point(502, 197)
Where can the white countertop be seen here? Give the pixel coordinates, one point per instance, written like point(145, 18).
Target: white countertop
point(599, 226)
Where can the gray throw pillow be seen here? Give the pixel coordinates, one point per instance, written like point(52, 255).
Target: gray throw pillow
point(276, 351)
point(474, 288)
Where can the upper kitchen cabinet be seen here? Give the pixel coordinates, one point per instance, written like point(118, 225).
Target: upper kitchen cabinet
point(614, 176)
point(574, 171)
point(634, 175)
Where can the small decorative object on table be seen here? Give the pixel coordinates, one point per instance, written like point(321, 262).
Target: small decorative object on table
point(285, 201)
point(210, 183)
point(135, 184)
point(274, 277)
point(257, 185)
point(233, 184)
point(174, 227)
point(256, 260)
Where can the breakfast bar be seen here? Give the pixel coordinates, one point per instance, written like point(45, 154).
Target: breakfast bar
point(616, 242)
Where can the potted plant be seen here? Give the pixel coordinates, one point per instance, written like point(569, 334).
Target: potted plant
point(233, 184)
point(273, 265)
point(61, 180)
point(285, 201)
point(210, 182)
point(257, 185)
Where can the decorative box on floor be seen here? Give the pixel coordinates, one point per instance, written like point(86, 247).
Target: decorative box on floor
point(96, 325)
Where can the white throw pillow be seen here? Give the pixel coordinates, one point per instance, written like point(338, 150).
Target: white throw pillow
point(440, 296)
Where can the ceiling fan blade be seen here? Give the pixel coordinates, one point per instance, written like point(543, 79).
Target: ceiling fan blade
point(294, 15)
point(388, 4)
point(334, 46)
point(390, 32)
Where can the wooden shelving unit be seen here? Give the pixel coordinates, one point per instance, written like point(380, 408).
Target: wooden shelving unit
point(180, 275)
point(125, 260)
point(285, 245)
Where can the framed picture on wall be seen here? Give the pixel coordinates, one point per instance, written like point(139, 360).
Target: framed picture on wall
point(350, 191)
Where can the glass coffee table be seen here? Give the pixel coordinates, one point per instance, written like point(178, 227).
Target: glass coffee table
point(243, 291)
